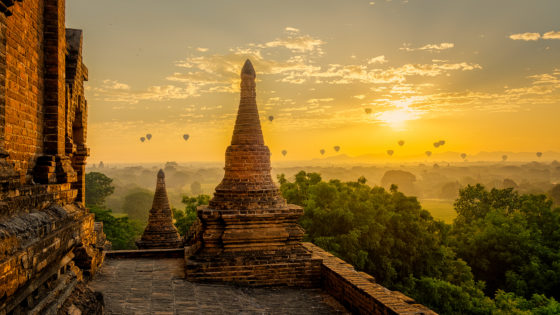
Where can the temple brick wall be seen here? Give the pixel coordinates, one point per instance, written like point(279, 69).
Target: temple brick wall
point(24, 72)
point(49, 242)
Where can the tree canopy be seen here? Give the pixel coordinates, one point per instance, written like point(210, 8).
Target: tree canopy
point(185, 218)
point(137, 205)
point(511, 241)
point(502, 245)
point(98, 187)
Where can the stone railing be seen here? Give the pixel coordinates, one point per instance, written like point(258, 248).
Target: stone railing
point(358, 292)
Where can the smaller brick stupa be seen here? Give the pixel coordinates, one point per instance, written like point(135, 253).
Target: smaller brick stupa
point(160, 232)
point(248, 234)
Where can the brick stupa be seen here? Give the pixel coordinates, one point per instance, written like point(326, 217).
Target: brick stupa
point(248, 234)
point(160, 232)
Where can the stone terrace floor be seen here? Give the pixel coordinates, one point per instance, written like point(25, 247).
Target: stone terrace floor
point(158, 286)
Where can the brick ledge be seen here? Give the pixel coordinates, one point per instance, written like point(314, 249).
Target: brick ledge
point(358, 291)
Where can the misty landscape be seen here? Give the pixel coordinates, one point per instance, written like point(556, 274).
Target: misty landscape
point(435, 184)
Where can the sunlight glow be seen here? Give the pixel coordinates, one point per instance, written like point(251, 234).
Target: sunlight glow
point(397, 118)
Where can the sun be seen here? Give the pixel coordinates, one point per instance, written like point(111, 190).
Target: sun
point(397, 118)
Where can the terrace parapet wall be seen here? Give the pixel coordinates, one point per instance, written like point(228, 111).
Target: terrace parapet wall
point(358, 291)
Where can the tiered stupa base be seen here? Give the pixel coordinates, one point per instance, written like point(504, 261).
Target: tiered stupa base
point(257, 268)
point(255, 249)
point(156, 239)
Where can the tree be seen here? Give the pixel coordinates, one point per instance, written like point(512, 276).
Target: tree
point(554, 194)
point(121, 232)
point(448, 298)
point(137, 205)
point(509, 240)
point(508, 303)
point(98, 188)
point(184, 219)
point(403, 179)
point(450, 190)
point(196, 188)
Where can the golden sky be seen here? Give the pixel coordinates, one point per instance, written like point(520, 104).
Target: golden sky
point(481, 75)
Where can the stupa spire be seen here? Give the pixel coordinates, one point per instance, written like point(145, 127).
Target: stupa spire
point(160, 231)
point(247, 182)
point(247, 128)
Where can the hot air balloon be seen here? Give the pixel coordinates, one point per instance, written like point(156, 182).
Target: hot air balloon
point(368, 110)
point(401, 143)
point(504, 157)
point(142, 139)
point(436, 144)
point(322, 151)
point(441, 142)
point(337, 148)
point(428, 153)
point(284, 152)
point(149, 136)
point(539, 154)
point(390, 152)
point(186, 137)
point(270, 118)
point(463, 156)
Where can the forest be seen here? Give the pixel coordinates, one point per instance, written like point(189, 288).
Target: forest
point(499, 255)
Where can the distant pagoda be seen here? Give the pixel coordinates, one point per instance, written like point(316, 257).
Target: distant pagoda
point(160, 232)
point(248, 234)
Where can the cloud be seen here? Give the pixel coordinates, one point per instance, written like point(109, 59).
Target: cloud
point(114, 85)
point(297, 72)
point(525, 36)
point(379, 59)
point(535, 36)
point(442, 46)
point(202, 49)
point(319, 100)
point(428, 47)
point(304, 43)
point(291, 29)
point(121, 92)
point(545, 78)
point(551, 35)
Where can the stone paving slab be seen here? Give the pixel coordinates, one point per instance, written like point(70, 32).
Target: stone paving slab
point(158, 286)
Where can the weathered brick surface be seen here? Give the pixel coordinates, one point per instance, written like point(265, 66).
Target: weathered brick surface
point(357, 291)
point(35, 246)
point(45, 229)
point(248, 234)
point(247, 184)
point(257, 268)
point(76, 110)
point(160, 231)
point(24, 70)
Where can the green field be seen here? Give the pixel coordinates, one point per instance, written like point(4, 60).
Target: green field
point(119, 215)
point(440, 209)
